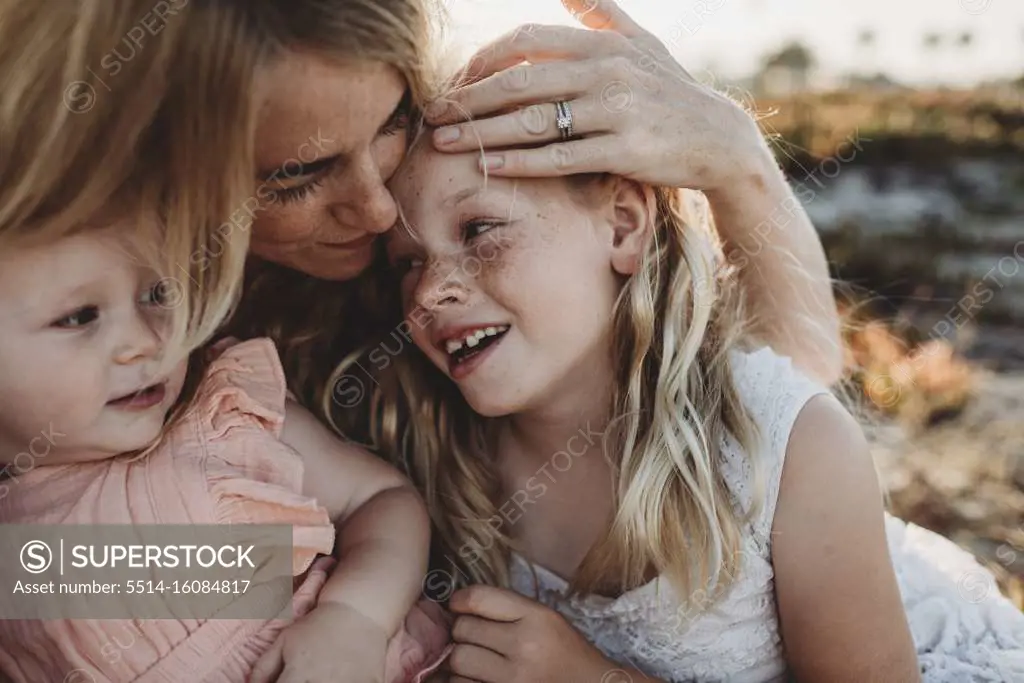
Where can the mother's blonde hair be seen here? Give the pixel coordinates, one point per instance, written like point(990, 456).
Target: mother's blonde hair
point(114, 107)
point(675, 404)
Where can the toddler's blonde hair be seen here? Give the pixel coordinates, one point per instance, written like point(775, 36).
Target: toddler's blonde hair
point(115, 108)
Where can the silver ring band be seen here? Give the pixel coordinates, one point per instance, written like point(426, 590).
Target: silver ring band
point(563, 119)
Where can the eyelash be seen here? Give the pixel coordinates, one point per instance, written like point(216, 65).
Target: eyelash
point(398, 122)
point(294, 194)
point(477, 223)
point(401, 117)
point(158, 292)
point(64, 323)
point(404, 265)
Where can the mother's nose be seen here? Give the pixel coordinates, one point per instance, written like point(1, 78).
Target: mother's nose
point(365, 202)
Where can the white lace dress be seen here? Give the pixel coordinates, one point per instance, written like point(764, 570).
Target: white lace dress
point(964, 630)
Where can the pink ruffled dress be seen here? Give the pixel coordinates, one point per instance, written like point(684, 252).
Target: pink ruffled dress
point(223, 464)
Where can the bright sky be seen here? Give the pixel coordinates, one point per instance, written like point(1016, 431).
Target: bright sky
point(731, 36)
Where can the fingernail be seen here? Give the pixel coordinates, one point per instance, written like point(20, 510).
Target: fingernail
point(493, 163)
point(447, 135)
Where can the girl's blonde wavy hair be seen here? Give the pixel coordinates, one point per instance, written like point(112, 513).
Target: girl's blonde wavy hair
point(674, 324)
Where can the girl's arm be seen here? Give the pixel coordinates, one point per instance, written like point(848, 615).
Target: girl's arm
point(383, 527)
point(840, 611)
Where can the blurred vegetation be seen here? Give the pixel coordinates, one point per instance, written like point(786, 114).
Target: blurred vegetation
point(954, 472)
point(901, 124)
point(916, 382)
point(958, 468)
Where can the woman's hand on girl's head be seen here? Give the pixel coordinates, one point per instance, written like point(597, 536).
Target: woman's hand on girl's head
point(503, 637)
point(637, 111)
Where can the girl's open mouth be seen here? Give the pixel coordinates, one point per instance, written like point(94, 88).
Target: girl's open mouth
point(141, 400)
point(466, 354)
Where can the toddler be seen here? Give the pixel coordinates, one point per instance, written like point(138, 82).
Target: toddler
point(82, 354)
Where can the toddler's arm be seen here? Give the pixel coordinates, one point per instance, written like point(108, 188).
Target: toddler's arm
point(383, 527)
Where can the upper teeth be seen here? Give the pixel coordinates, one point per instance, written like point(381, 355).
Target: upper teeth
point(473, 338)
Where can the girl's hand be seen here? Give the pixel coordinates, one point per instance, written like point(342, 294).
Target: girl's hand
point(503, 637)
point(332, 644)
point(638, 113)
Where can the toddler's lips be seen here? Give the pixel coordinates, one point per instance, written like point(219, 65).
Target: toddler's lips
point(141, 400)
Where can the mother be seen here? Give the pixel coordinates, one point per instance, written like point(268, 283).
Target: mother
point(337, 84)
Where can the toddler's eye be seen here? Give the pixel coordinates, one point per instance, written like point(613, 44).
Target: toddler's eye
point(157, 295)
point(79, 318)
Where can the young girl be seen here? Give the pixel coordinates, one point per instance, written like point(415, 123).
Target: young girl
point(81, 353)
point(593, 430)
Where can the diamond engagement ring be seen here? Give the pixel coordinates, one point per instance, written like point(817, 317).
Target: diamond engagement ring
point(563, 119)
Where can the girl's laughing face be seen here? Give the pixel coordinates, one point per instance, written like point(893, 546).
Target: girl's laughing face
point(508, 286)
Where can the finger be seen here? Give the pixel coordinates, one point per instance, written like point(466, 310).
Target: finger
point(590, 155)
point(527, 126)
point(269, 665)
point(607, 15)
point(496, 604)
point(492, 635)
point(518, 86)
point(537, 43)
point(477, 663)
point(603, 14)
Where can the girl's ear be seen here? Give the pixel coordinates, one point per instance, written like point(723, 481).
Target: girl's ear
point(634, 211)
